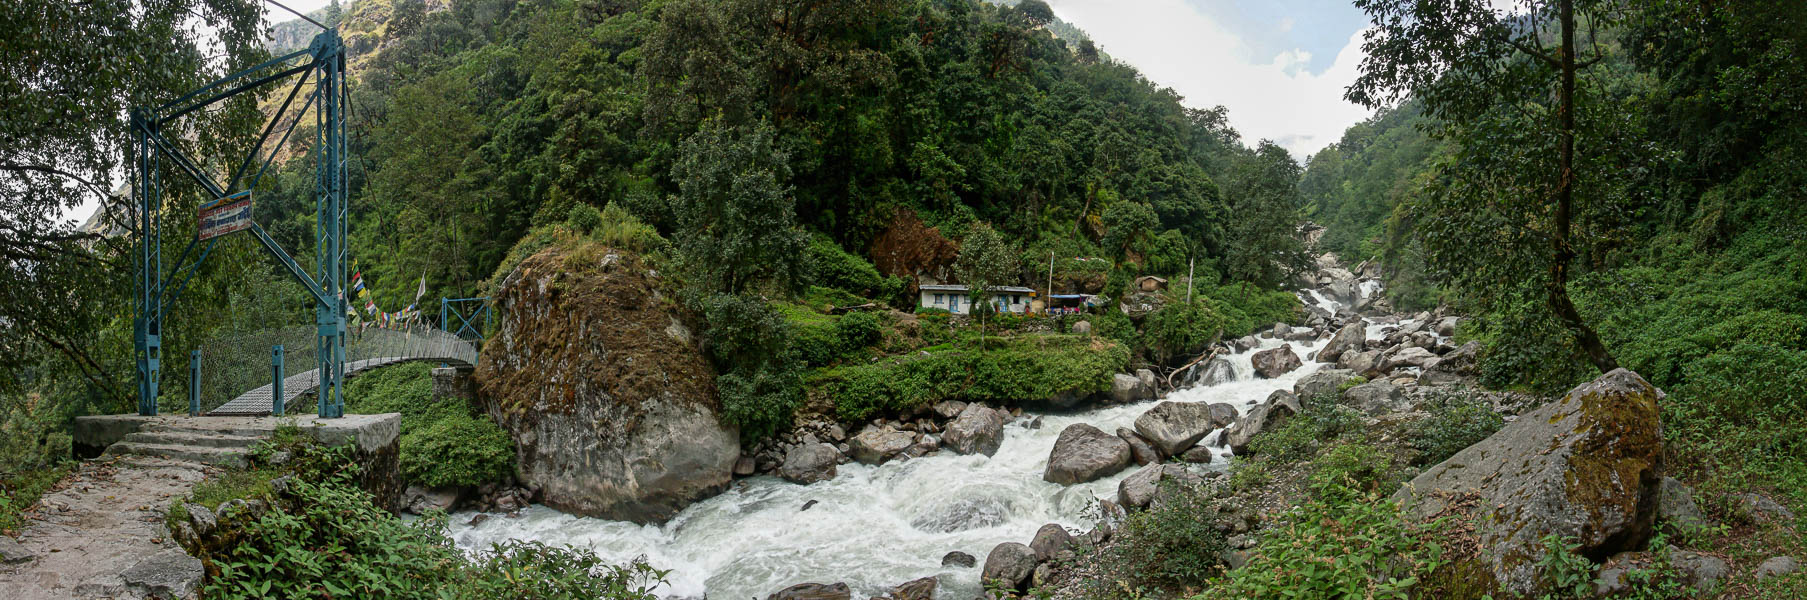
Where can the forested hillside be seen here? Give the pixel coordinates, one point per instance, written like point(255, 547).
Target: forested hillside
point(480, 120)
point(778, 145)
point(1689, 239)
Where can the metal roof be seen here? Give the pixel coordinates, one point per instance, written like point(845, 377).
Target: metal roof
point(1014, 289)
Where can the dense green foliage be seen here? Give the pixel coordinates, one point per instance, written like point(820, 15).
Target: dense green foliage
point(1303, 434)
point(1688, 221)
point(444, 442)
point(1169, 546)
point(1365, 549)
point(1008, 371)
point(314, 502)
point(1453, 423)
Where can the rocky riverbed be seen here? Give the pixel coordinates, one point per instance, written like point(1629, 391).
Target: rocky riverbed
point(885, 505)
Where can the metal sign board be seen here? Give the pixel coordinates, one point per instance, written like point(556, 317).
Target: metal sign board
point(226, 215)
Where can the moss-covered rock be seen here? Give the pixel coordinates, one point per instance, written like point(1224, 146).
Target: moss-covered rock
point(596, 375)
point(1586, 467)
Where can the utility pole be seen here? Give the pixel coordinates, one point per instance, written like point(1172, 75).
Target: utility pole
point(1191, 267)
point(1048, 302)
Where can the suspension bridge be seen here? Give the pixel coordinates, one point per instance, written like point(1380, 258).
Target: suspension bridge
point(228, 375)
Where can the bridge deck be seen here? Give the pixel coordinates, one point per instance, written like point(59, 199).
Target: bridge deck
point(257, 402)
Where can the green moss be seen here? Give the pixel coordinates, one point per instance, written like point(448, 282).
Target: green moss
point(19, 492)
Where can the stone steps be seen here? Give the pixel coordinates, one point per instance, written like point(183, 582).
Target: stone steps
point(193, 438)
point(207, 455)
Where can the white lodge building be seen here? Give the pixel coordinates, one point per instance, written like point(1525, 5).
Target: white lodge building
point(954, 299)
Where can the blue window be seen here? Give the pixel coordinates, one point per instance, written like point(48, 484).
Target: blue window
point(937, 299)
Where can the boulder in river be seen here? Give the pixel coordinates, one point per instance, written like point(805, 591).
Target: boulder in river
point(917, 589)
point(1322, 383)
point(1348, 338)
point(813, 591)
point(875, 446)
point(1010, 563)
point(1218, 370)
point(1410, 356)
point(1175, 426)
point(1275, 362)
point(603, 388)
point(1126, 388)
point(1050, 540)
point(978, 430)
point(959, 559)
point(1587, 467)
point(1085, 453)
point(1378, 398)
point(1141, 487)
point(810, 463)
point(1364, 364)
point(1143, 452)
point(1267, 415)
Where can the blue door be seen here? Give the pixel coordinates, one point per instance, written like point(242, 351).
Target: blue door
point(953, 303)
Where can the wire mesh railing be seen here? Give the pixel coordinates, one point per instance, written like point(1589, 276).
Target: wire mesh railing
point(237, 371)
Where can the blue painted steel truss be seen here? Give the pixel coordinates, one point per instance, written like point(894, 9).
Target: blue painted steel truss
point(323, 62)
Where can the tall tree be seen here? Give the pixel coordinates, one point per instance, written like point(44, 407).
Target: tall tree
point(1478, 69)
point(69, 71)
point(1263, 195)
point(985, 264)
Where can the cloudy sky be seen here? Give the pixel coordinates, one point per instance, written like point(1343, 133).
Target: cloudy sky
point(1280, 66)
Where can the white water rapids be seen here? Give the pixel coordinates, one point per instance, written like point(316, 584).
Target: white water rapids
point(874, 527)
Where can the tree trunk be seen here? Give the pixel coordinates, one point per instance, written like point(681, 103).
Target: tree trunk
point(1565, 192)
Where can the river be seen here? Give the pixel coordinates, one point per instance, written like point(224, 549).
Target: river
point(874, 527)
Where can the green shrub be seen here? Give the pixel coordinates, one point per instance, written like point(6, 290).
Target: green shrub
point(1005, 371)
point(444, 442)
point(1455, 422)
point(458, 450)
point(836, 268)
point(1169, 545)
point(375, 555)
point(759, 366)
point(1361, 549)
point(584, 218)
point(20, 489)
point(1181, 330)
point(1350, 472)
point(1301, 436)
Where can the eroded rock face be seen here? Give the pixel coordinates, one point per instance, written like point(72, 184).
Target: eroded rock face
point(1275, 362)
point(1324, 382)
point(1588, 466)
point(978, 430)
point(1085, 453)
point(610, 402)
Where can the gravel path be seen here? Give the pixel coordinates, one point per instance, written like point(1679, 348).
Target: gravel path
point(100, 534)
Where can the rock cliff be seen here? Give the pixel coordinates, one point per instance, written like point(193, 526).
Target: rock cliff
point(597, 377)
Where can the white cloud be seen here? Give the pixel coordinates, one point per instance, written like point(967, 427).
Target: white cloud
point(1269, 97)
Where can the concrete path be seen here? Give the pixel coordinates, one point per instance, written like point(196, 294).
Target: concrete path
point(100, 534)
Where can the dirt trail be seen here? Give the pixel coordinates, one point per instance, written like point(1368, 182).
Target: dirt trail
point(100, 534)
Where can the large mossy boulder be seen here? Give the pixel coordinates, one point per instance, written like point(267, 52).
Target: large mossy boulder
point(1587, 467)
point(596, 375)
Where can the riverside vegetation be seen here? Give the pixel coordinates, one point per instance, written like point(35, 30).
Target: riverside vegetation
point(779, 170)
